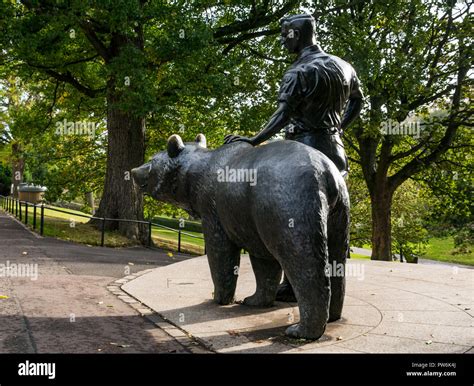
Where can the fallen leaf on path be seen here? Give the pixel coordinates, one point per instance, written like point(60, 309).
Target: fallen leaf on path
point(24, 253)
point(4, 297)
point(233, 333)
point(131, 264)
point(110, 306)
point(429, 342)
point(100, 302)
point(339, 338)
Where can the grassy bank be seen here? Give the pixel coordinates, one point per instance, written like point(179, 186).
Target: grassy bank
point(442, 249)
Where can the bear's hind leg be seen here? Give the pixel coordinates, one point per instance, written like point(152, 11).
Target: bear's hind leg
point(338, 249)
point(267, 275)
point(304, 262)
point(312, 290)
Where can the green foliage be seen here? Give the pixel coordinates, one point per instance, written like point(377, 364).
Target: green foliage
point(178, 68)
point(5, 180)
point(409, 237)
point(464, 239)
point(409, 208)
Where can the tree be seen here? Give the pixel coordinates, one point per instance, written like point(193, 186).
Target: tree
point(137, 58)
point(413, 58)
point(448, 187)
point(20, 115)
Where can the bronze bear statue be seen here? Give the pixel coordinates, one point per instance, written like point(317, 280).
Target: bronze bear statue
point(284, 202)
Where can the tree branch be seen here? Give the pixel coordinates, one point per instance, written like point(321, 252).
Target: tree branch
point(91, 35)
point(417, 164)
point(259, 18)
point(68, 78)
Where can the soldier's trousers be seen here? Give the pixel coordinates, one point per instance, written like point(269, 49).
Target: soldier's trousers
point(328, 144)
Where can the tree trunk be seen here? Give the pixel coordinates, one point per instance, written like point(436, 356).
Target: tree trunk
point(381, 204)
point(121, 198)
point(125, 151)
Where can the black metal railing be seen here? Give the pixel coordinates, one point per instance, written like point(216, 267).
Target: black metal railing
point(20, 209)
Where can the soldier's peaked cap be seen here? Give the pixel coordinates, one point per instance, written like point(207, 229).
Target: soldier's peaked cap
point(293, 18)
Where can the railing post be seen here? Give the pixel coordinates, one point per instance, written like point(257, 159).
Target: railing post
point(149, 234)
point(34, 216)
point(16, 207)
point(179, 240)
point(26, 213)
point(19, 202)
point(102, 236)
point(42, 220)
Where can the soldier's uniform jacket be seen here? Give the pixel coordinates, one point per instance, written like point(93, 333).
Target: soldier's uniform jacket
point(316, 88)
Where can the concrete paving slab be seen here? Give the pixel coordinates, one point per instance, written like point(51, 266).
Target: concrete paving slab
point(390, 307)
point(373, 343)
point(441, 333)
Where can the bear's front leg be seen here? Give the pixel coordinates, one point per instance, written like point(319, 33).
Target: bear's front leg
point(224, 260)
point(267, 274)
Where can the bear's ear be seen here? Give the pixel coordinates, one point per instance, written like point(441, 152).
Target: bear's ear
point(175, 145)
point(201, 140)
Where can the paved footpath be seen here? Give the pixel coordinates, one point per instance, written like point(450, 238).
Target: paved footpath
point(390, 307)
point(68, 309)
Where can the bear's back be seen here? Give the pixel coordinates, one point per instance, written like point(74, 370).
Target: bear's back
point(289, 179)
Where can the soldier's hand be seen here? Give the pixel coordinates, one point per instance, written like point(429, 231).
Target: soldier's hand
point(236, 138)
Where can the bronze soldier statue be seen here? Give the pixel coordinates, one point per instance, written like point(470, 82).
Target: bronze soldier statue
point(319, 97)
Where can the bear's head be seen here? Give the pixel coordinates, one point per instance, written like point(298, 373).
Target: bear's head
point(160, 177)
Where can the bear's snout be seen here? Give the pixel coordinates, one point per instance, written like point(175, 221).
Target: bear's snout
point(140, 175)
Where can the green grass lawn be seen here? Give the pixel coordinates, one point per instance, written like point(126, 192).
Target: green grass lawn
point(73, 227)
point(168, 239)
point(442, 249)
point(358, 256)
point(83, 233)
